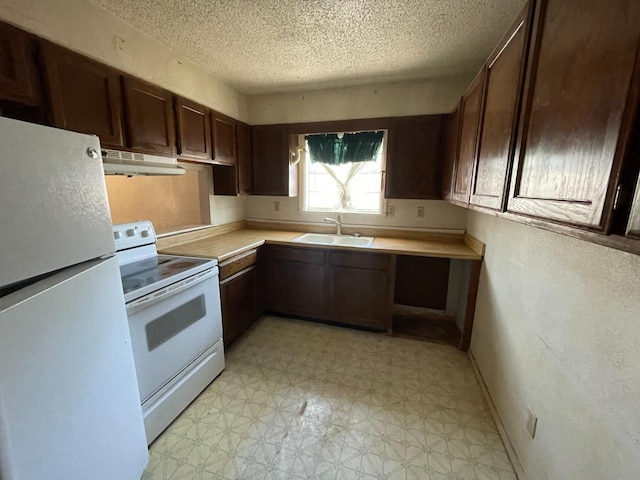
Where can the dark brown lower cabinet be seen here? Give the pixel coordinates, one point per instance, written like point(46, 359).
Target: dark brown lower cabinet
point(344, 287)
point(299, 284)
point(238, 297)
point(359, 289)
point(359, 297)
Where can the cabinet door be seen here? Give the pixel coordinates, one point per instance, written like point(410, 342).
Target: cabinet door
point(504, 79)
point(299, 282)
point(470, 109)
point(225, 180)
point(238, 300)
point(149, 114)
point(224, 139)
point(451, 145)
point(243, 136)
point(360, 296)
point(85, 96)
point(271, 169)
point(194, 130)
point(360, 289)
point(17, 67)
point(574, 123)
point(413, 157)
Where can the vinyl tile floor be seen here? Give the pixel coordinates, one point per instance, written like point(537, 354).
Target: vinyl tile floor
point(300, 400)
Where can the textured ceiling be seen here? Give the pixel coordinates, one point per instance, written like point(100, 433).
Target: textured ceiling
point(261, 46)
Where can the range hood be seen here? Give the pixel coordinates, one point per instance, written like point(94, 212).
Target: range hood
point(116, 162)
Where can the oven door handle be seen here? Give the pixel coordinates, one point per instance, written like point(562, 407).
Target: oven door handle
point(169, 291)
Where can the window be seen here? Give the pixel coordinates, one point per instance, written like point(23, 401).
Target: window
point(342, 172)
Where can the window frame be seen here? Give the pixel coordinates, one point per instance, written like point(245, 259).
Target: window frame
point(302, 174)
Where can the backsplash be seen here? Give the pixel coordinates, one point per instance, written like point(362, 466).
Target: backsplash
point(225, 209)
point(438, 215)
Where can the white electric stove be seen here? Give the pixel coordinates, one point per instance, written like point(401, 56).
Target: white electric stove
point(173, 307)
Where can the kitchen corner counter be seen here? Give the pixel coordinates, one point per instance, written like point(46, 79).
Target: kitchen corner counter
point(230, 244)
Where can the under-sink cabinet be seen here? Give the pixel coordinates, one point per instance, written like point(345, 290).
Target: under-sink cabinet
point(298, 282)
point(339, 286)
point(359, 289)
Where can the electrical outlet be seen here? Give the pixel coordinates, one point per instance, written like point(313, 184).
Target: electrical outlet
point(532, 423)
point(391, 211)
point(420, 212)
point(276, 206)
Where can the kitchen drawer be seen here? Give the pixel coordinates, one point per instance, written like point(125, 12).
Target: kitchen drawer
point(373, 261)
point(301, 255)
point(235, 264)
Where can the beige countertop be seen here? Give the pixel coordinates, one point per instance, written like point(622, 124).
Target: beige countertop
point(227, 245)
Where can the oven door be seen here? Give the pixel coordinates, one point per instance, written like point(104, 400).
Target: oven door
point(173, 326)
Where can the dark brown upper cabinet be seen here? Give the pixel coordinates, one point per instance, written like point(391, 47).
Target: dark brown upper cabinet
point(18, 70)
point(470, 109)
point(224, 139)
point(451, 146)
point(243, 137)
point(498, 128)
point(225, 180)
point(577, 110)
point(194, 130)
point(272, 172)
point(413, 157)
point(149, 115)
point(85, 96)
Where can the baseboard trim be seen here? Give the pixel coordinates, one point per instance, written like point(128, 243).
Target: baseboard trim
point(517, 466)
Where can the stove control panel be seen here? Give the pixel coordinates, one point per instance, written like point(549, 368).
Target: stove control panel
point(135, 234)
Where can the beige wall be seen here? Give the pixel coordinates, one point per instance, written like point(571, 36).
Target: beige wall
point(438, 214)
point(226, 209)
point(390, 99)
point(84, 27)
point(556, 330)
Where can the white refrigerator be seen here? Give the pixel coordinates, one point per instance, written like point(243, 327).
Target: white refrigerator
point(69, 403)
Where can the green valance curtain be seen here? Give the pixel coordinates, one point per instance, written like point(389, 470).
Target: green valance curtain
point(351, 148)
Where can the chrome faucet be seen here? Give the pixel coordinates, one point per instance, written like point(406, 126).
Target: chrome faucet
point(338, 223)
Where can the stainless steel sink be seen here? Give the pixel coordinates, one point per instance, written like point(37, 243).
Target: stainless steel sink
point(337, 240)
